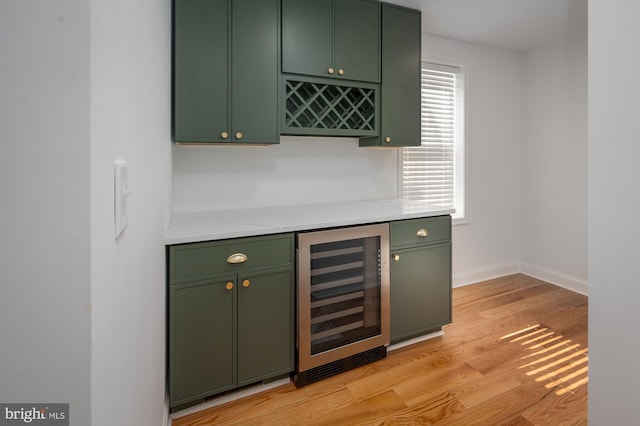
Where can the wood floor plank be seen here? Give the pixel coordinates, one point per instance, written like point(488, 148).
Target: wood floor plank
point(429, 412)
point(483, 389)
point(487, 289)
point(492, 300)
point(363, 412)
point(515, 354)
point(422, 388)
point(500, 407)
point(253, 406)
point(538, 302)
point(516, 421)
point(566, 409)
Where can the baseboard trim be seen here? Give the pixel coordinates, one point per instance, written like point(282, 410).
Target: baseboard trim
point(415, 340)
point(553, 277)
point(556, 278)
point(483, 274)
point(231, 397)
point(166, 415)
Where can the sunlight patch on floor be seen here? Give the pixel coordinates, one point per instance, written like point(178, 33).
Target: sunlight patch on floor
point(553, 359)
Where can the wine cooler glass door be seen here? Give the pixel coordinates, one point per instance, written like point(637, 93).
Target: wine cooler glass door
point(343, 293)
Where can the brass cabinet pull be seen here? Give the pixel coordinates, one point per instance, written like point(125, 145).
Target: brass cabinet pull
point(396, 257)
point(239, 135)
point(422, 232)
point(246, 283)
point(330, 71)
point(341, 71)
point(387, 139)
point(237, 258)
point(229, 285)
point(224, 135)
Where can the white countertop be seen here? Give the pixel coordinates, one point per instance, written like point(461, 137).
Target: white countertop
point(189, 227)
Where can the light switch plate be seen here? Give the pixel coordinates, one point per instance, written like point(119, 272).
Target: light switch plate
point(121, 193)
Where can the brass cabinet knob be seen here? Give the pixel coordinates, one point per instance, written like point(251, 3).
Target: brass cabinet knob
point(224, 135)
point(387, 139)
point(229, 285)
point(246, 283)
point(422, 232)
point(341, 71)
point(330, 71)
point(396, 257)
point(239, 135)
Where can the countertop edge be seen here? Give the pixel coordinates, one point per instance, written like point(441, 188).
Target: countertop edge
point(192, 227)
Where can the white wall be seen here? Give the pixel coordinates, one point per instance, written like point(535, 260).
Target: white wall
point(130, 120)
point(488, 245)
point(554, 157)
point(298, 170)
point(614, 202)
point(44, 187)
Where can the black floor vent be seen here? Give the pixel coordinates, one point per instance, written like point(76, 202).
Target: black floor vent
point(312, 375)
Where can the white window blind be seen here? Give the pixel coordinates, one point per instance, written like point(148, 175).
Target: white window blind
point(431, 171)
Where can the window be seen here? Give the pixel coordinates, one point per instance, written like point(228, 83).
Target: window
point(435, 171)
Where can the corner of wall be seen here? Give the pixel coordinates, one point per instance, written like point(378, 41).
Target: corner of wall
point(557, 278)
point(486, 273)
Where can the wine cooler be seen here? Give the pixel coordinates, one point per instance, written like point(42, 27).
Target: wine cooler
point(343, 300)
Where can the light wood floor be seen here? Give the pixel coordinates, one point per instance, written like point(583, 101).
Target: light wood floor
point(515, 354)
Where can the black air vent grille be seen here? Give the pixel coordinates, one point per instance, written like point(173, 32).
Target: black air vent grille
point(340, 366)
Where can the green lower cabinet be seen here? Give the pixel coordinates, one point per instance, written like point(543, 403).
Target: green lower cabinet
point(202, 335)
point(265, 326)
point(420, 290)
point(229, 332)
point(231, 321)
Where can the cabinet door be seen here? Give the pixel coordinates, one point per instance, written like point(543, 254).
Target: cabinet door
point(201, 339)
point(420, 290)
point(357, 40)
point(307, 43)
point(254, 80)
point(265, 325)
point(400, 94)
point(200, 70)
point(400, 76)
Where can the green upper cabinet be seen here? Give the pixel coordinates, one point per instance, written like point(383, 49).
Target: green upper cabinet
point(201, 70)
point(307, 44)
point(400, 91)
point(357, 39)
point(226, 71)
point(255, 70)
point(332, 38)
